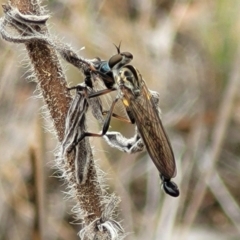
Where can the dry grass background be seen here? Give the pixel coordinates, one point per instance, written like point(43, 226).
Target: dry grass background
point(189, 52)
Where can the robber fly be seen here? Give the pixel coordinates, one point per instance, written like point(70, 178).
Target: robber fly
point(142, 108)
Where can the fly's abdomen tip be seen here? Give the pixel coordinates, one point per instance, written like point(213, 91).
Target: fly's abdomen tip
point(170, 187)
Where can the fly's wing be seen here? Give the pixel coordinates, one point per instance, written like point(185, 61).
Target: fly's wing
point(153, 134)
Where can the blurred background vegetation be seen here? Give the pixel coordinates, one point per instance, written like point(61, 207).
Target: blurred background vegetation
point(188, 51)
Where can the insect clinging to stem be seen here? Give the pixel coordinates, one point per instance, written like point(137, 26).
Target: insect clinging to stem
point(142, 108)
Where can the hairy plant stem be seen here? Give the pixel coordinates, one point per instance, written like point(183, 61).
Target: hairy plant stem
point(53, 87)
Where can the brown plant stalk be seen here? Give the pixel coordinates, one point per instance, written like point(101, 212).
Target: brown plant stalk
point(93, 207)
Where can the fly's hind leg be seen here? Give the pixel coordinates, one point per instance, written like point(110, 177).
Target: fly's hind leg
point(131, 145)
point(117, 140)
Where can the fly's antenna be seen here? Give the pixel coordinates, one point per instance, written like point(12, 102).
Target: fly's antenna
point(118, 47)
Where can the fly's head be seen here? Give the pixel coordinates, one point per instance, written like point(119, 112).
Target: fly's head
point(109, 70)
point(128, 80)
point(116, 62)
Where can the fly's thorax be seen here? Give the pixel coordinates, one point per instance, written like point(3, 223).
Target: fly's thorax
point(129, 81)
point(103, 66)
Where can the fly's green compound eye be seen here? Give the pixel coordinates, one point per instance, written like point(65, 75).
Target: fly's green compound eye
point(114, 60)
point(127, 55)
point(120, 60)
